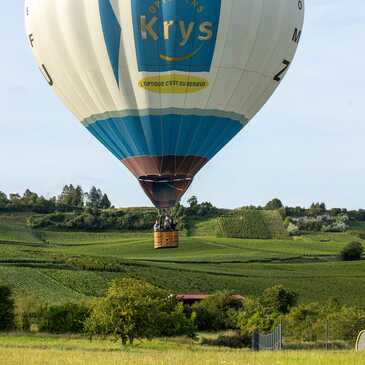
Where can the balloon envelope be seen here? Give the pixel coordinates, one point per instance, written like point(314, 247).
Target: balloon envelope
point(164, 85)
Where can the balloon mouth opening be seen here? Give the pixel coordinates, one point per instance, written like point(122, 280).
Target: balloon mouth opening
point(164, 179)
point(165, 191)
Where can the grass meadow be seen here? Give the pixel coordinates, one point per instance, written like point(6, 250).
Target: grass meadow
point(57, 266)
point(61, 266)
point(36, 350)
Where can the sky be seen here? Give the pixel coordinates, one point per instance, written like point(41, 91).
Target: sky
point(307, 143)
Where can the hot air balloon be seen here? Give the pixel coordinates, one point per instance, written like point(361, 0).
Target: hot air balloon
point(164, 85)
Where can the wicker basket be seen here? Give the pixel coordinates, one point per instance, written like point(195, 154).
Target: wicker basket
point(167, 239)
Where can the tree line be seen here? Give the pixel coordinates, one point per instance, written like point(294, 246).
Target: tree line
point(133, 309)
point(72, 198)
point(316, 209)
point(98, 217)
point(75, 209)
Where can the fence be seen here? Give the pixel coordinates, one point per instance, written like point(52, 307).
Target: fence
point(322, 334)
point(311, 334)
point(269, 341)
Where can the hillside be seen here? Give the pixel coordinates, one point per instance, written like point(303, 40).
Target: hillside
point(62, 266)
point(252, 223)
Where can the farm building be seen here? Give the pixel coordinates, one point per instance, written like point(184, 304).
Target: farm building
point(191, 298)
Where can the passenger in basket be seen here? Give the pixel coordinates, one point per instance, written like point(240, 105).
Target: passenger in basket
point(167, 224)
point(156, 226)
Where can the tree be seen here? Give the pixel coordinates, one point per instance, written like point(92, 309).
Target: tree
point(29, 198)
point(71, 196)
point(216, 312)
point(3, 200)
point(14, 198)
point(78, 197)
point(7, 309)
point(105, 202)
point(265, 313)
point(317, 209)
point(352, 251)
point(279, 299)
point(94, 198)
point(64, 197)
point(179, 214)
point(205, 209)
point(254, 316)
point(274, 204)
point(134, 309)
point(193, 201)
point(335, 211)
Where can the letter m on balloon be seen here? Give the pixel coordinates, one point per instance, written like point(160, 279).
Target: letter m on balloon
point(112, 33)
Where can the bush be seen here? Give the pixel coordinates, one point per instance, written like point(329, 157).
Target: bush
point(317, 223)
point(29, 313)
point(317, 345)
point(96, 220)
point(7, 309)
point(311, 322)
point(305, 323)
point(265, 313)
point(64, 318)
point(216, 312)
point(335, 227)
point(352, 251)
point(347, 322)
point(173, 320)
point(254, 317)
point(236, 341)
point(293, 230)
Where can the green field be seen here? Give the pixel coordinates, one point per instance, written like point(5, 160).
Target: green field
point(64, 266)
point(35, 350)
point(252, 223)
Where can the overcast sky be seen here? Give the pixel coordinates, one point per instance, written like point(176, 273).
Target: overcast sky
point(307, 144)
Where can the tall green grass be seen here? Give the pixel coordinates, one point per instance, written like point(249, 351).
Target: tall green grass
point(64, 351)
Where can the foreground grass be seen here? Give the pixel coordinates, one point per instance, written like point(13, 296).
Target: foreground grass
point(35, 350)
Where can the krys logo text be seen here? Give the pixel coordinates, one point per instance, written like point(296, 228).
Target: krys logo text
point(177, 35)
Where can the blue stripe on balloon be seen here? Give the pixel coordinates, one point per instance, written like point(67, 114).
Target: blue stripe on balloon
point(176, 135)
point(112, 34)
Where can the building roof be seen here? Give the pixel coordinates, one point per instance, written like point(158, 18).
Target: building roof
point(202, 296)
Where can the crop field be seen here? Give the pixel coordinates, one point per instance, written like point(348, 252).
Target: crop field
point(251, 223)
point(35, 350)
point(64, 266)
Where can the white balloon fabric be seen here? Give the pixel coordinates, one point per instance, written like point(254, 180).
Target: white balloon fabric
point(164, 84)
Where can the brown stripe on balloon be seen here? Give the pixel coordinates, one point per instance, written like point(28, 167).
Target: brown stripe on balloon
point(165, 179)
point(187, 166)
point(165, 192)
